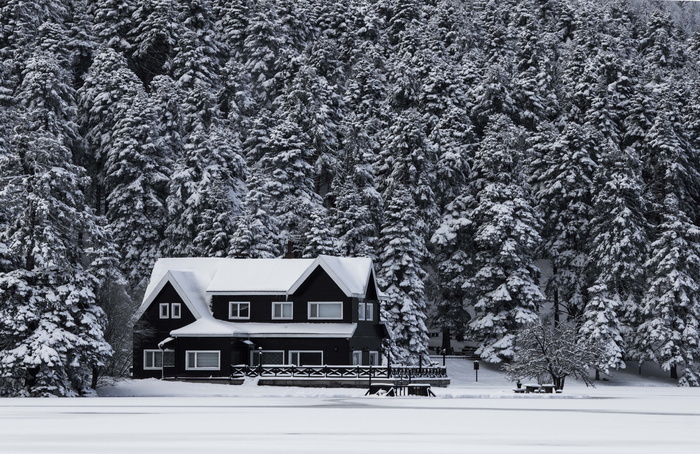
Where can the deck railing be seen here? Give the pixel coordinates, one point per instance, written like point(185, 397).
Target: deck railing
point(326, 371)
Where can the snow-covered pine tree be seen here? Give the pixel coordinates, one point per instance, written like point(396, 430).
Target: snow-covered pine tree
point(309, 102)
point(113, 23)
point(402, 253)
point(51, 328)
point(136, 176)
point(356, 210)
point(502, 287)
point(619, 243)
point(670, 311)
point(406, 169)
point(257, 233)
point(154, 35)
point(102, 102)
point(205, 192)
point(562, 176)
point(283, 159)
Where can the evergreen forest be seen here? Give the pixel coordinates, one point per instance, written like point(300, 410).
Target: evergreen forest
point(500, 161)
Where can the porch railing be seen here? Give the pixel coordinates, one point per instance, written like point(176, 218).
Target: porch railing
point(326, 371)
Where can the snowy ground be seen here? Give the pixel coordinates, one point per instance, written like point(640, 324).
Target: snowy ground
point(627, 414)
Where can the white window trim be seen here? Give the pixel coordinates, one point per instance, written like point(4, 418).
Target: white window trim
point(312, 303)
point(164, 310)
point(256, 352)
point(369, 312)
point(292, 352)
point(374, 354)
point(153, 353)
point(232, 304)
point(360, 311)
point(189, 366)
point(174, 313)
point(283, 303)
point(357, 357)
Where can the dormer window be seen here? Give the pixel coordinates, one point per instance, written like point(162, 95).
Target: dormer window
point(175, 310)
point(164, 310)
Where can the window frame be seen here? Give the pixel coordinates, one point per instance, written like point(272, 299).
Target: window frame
point(164, 310)
point(282, 304)
point(321, 303)
point(231, 315)
point(196, 353)
point(298, 352)
point(257, 352)
point(179, 310)
point(153, 353)
point(374, 358)
point(361, 314)
point(369, 312)
point(357, 357)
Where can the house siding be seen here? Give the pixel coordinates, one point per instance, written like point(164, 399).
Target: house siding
point(318, 287)
point(150, 329)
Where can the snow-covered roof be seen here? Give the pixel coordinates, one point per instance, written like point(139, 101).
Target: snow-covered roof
point(189, 276)
point(210, 327)
point(257, 276)
point(196, 279)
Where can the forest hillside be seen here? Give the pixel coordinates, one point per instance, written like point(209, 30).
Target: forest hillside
point(456, 142)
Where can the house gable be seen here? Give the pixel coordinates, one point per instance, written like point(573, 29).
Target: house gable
point(351, 275)
point(172, 318)
point(185, 287)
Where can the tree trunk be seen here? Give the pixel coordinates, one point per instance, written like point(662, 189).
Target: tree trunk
point(556, 298)
point(446, 340)
point(674, 372)
point(558, 382)
point(95, 376)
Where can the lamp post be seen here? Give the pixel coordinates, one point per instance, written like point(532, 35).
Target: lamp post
point(444, 352)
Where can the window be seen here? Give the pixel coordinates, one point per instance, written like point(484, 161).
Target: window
point(175, 310)
point(326, 310)
point(306, 358)
point(268, 357)
point(238, 310)
point(164, 310)
point(356, 358)
point(152, 360)
point(365, 311)
point(282, 310)
point(202, 360)
point(374, 358)
point(157, 359)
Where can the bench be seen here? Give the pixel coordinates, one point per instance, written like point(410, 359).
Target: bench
point(536, 388)
point(381, 389)
point(419, 389)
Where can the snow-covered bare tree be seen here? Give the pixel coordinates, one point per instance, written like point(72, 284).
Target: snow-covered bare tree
point(552, 350)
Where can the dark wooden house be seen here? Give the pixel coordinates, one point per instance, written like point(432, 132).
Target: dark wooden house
point(201, 316)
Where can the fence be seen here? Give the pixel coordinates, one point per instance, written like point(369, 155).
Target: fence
point(369, 372)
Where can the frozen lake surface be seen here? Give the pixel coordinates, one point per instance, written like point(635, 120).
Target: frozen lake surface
point(627, 414)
